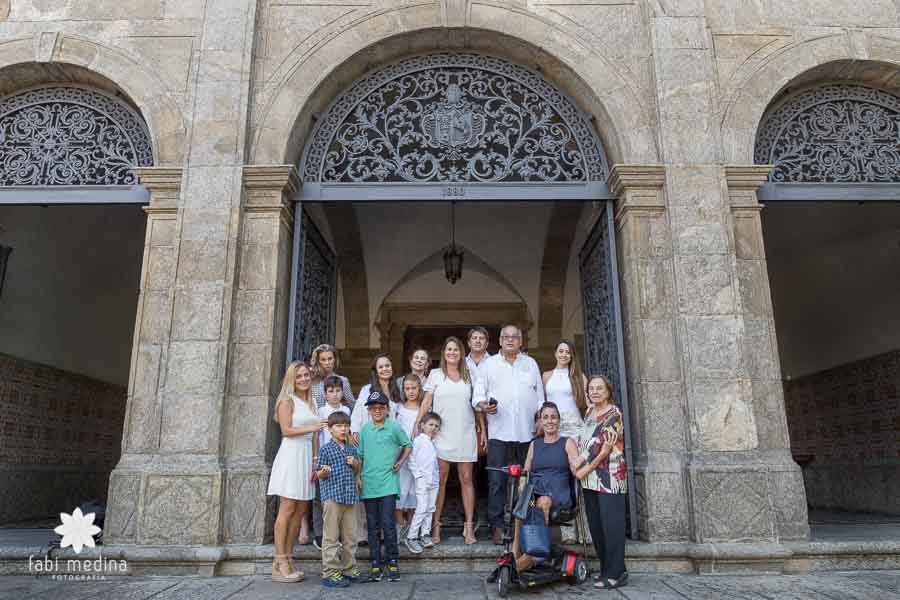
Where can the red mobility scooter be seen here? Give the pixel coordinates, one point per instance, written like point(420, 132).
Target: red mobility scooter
point(560, 563)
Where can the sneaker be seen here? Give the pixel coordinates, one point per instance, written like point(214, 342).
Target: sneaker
point(427, 541)
point(353, 575)
point(413, 545)
point(393, 573)
point(317, 542)
point(335, 580)
point(375, 574)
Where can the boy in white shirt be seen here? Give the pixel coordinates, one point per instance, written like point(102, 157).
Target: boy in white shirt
point(334, 396)
point(423, 462)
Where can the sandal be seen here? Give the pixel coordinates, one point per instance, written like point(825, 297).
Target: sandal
point(282, 571)
point(469, 533)
point(436, 532)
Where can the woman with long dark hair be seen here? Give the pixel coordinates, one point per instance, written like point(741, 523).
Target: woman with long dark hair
point(382, 379)
point(566, 387)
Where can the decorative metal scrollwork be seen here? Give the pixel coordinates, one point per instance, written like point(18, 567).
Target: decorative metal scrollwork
point(70, 136)
point(315, 303)
point(453, 118)
point(833, 133)
point(601, 347)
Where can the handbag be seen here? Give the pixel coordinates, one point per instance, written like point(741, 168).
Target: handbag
point(520, 510)
point(535, 534)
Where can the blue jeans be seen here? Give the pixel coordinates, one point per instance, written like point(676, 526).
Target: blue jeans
point(380, 518)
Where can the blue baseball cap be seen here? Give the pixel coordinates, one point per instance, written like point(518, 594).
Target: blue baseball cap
point(377, 397)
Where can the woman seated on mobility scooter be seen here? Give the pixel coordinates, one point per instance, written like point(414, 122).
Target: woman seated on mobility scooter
point(551, 463)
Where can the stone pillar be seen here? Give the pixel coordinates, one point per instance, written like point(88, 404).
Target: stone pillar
point(655, 382)
point(168, 488)
point(161, 492)
point(785, 480)
point(258, 347)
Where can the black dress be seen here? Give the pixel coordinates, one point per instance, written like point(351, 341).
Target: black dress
point(550, 473)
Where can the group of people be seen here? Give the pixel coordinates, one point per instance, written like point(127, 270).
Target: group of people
point(392, 448)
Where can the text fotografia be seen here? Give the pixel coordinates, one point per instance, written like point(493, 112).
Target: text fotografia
point(76, 569)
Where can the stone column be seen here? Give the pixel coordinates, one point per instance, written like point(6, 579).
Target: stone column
point(785, 479)
point(655, 382)
point(160, 492)
point(257, 349)
point(169, 488)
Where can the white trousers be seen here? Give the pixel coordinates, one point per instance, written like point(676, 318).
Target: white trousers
point(426, 499)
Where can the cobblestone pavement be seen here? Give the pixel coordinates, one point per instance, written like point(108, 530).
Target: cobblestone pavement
point(857, 585)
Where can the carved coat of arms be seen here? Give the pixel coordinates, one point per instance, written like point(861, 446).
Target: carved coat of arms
point(454, 123)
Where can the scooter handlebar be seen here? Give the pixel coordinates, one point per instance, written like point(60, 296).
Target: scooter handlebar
point(511, 470)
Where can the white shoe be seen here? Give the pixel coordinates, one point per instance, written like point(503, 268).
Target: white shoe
point(426, 541)
point(413, 545)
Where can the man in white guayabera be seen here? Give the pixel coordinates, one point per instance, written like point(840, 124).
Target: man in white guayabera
point(510, 392)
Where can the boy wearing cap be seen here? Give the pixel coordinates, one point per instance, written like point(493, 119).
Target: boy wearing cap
point(383, 448)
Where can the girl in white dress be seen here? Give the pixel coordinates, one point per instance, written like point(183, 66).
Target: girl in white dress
point(290, 480)
point(406, 414)
point(448, 392)
point(565, 386)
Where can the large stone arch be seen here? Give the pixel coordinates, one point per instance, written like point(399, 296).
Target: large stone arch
point(60, 58)
point(815, 60)
point(305, 83)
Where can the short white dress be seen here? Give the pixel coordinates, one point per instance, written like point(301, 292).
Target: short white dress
point(456, 441)
point(406, 418)
point(559, 391)
point(292, 466)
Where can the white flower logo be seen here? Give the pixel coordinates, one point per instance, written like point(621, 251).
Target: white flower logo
point(77, 530)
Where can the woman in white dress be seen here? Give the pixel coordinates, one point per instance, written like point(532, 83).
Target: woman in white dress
point(565, 386)
point(448, 392)
point(295, 412)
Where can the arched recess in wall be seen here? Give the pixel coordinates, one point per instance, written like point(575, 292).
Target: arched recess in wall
point(569, 149)
point(80, 61)
point(306, 83)
point(831, 224)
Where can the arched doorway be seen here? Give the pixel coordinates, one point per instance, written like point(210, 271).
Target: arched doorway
point(505, 146)
point(831, 229)
point(71, 246)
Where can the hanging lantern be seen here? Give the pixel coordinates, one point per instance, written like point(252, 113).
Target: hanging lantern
point(453, 256)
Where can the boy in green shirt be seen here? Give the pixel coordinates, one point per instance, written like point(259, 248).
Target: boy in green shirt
point(383, 448)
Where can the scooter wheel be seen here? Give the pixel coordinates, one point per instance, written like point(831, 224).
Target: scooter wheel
point(580, 572)
point(503, 582)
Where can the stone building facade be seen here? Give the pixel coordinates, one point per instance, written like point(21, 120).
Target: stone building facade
point(676, 91)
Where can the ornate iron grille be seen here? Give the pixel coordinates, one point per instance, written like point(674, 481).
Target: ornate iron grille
point(314, 306)
point(603, 344)
point(601, 339)
point(453, 118)
point(833, 133)
point(70, 136)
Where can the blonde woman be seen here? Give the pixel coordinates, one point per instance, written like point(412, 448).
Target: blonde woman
point(291, 481)
point(324, 362)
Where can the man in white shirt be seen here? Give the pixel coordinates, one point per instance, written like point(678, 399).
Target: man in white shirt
point(510, 392)
point(477, 339)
